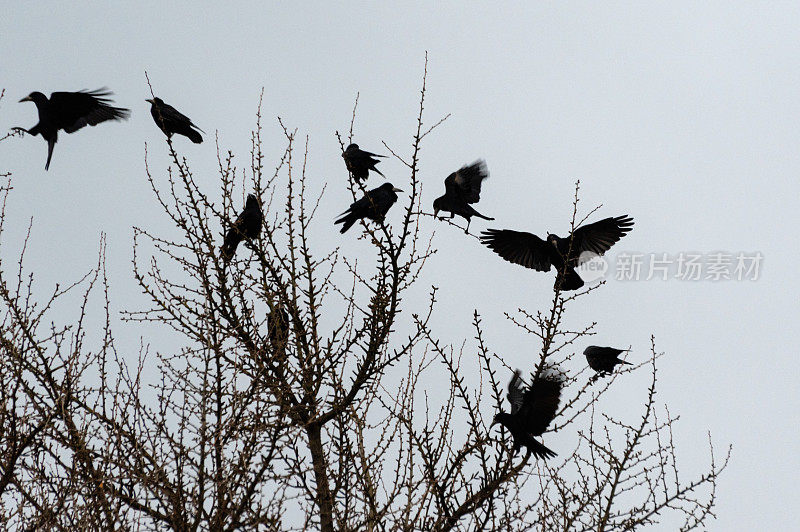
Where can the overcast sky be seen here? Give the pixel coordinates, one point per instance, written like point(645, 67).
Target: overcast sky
point(683, 116)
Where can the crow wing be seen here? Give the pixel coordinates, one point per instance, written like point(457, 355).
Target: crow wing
point(466, 182)
point(516, 392)
point(541, 402)
point(521, 248)
point(74, 110)
point(598, 237)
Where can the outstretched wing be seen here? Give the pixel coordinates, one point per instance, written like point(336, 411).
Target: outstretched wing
point(598, 237)
point(466, 182)
point(516, 392)
point(74, 110)
point(541, 401)
point(521, 248)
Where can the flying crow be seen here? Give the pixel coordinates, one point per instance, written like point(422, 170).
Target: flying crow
point(565, 254)
point(360, 162)
point(70, 111)
point(460, 189)
point(532, 410)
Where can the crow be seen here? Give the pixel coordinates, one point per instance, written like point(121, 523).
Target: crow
point(532, 410)
point(374, 205)
point(247, 225)
point(170, 121)
point(603, 359)
point(360, 162)
point(460, 189)
point(70, 111)
point(565, 254)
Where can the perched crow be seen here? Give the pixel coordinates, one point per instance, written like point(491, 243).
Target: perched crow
point(374, 205)
point(460, 189)
point(278, 328)
point(532, 252)
point(360, 162)
point(603, 359)
point(170, 121)
point(70, 111)
point(247, 225)
point(532, 410)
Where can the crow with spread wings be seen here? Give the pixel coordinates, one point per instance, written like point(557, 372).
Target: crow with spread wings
point(565, 254)
point(70, 111)
point(532, 410)
point(461, 188)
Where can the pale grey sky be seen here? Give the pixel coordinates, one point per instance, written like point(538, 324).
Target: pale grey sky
point(682, 115)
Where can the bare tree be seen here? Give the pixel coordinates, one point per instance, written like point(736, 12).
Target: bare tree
point(323, 423)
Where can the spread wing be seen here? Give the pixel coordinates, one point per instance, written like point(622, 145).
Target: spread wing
point(521, 248)
point(466, 182)
point(541, 402)
point(516, 393)
point(598, 237)
point(74, 110)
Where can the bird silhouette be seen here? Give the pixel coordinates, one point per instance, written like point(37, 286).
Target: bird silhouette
point(246, 226)
point(603, 359)
point(532, 410)
point(461, 188)
point(70, 111)
point(374, 206)
point(565, 254)
point(170, 121)
point(360, 162)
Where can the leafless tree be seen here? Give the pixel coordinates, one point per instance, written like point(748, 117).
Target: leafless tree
point(326, 426)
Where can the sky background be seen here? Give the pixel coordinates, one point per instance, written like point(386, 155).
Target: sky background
point(683, 116)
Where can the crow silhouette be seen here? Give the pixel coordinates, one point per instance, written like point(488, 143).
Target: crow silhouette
point(565, 254)
point(460, 189)
point(532, 410)
point(246, 226)
point(360, 162)
point(170, 121)
point(603, 359)
point(70, 111)
point(374, 205)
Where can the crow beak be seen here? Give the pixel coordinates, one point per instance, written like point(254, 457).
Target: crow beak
point(395, 189)
point(26, 99)
point(149, 100)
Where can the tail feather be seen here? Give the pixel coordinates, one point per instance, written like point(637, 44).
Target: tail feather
point(51, 143)
point(569, 280)
point(538, 449)
point(194, 136)
point(348, 222)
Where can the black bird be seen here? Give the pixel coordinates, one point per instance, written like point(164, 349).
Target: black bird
point(374, 205)
point(278, 328)
point(170, 121)
point(360, 162)
point(70, 111)
point(603, 359)
point(460, 189)
point(532, 410)
point(532, 252)
point(247, 225)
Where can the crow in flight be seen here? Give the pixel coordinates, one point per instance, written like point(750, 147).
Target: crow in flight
point(170, 121)
point(460, 189)
point(532, 410)
point(70, 111)
point(603, 359)
point(360, 162)
point(532, 252)
point(247, 225)
point(374, 205)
